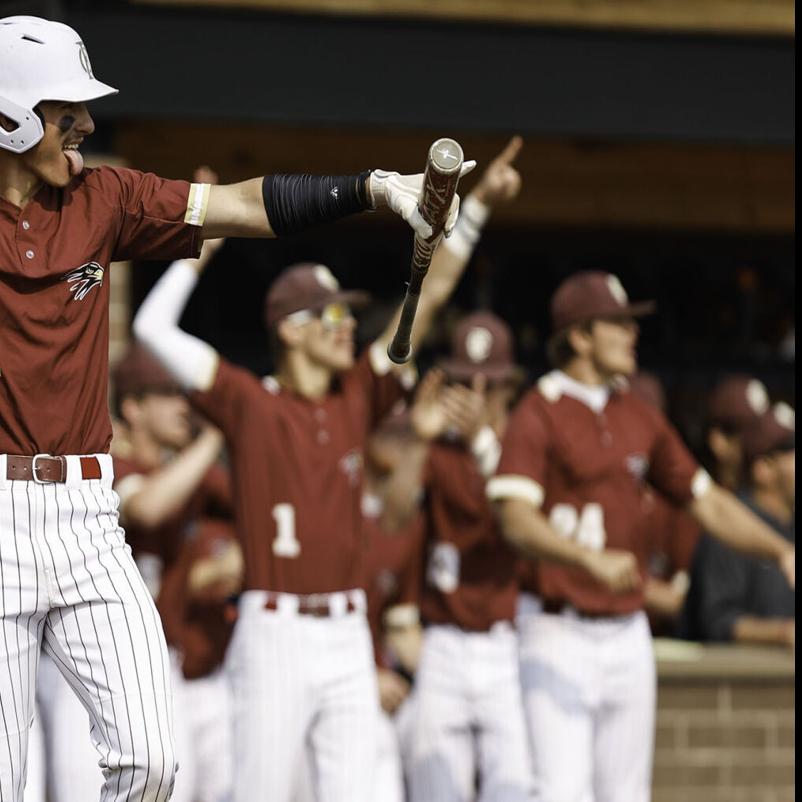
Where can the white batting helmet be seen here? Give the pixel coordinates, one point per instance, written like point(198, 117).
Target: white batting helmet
point(40, 60)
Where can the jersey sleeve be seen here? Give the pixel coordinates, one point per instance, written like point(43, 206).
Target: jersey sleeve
point(158, 218)
point(521, 469)
point(224, 401)
point(672, 469)
point(382, 383)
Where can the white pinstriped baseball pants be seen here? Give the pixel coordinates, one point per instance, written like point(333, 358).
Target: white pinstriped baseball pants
point(68, 585)
point(299, 683)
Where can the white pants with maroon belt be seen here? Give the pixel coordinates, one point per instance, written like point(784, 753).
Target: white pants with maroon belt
point(68, 585)
point(589, 692)
point(299, 682)
point(469, 719)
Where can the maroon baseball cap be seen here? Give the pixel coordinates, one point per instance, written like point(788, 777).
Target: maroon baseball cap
point(307, 286)
point(138, 373)
point(774, 431)
point(737, 401)
point(649, 389)
point(592, 294)
point(482, 344)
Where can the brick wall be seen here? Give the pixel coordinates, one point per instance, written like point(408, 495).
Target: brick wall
point(725, 725)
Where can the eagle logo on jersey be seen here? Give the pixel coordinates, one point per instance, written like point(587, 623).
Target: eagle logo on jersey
point(351, 466)
point(84, 279)
point(638, 466)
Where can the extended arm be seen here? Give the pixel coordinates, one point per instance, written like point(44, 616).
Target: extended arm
point(277, 205)
point(726, 518)
point(160, 494)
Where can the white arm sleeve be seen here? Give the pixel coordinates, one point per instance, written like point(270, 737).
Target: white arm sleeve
point(192, 361)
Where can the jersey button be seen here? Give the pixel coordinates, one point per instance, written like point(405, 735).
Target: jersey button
point(29, 254)
point(26, 225)
point(323, 437)
point(607, 439)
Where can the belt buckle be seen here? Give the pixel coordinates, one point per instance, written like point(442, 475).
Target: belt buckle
point(33, 469)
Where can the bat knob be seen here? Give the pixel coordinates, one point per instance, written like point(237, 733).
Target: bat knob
point(398, 352)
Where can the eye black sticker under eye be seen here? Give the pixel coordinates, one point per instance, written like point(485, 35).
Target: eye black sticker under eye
point(65, 123)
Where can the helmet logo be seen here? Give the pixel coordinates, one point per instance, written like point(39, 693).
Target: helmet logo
point(617, 290)
point(784, 415)
point(478, 344)
point(326, 278)
point(757, 397)
point(83, 57)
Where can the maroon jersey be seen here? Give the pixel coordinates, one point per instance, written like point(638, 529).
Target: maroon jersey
point(297, 471)
point(587, 469)
point(54, 327)
point(471, 575)
point(672, 536)
point(199, 625)
point(393, 569)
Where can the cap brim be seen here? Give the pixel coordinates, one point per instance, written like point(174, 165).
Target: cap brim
point(640, 309)
point(460, 370)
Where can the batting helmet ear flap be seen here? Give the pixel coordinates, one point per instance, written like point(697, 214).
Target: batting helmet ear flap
point(28, 130)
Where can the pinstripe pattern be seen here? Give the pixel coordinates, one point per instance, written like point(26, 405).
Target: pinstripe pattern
point(299, 681)
point(69, 585)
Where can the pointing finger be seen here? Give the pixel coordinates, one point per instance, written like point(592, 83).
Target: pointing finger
point(467, 167)
point(511, 151)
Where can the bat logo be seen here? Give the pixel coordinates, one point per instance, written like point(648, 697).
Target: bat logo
point(447, 154)
point(84, 279)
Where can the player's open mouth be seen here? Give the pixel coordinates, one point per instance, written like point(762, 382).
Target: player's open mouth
point(74, 158)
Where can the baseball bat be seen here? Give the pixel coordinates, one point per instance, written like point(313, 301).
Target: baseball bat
point(440, 180)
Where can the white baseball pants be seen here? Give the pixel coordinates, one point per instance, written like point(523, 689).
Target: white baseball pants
point(469, 719)
point(203, 736)
point(68, 585)
point(589, 692)
point(302, 682)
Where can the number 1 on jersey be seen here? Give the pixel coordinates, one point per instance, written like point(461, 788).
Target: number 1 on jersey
point(286, 544)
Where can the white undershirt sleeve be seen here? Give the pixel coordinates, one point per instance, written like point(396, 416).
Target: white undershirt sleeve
point(192, 361)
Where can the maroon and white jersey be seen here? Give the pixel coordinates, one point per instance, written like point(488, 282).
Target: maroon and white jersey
point(584, 454)
point(54, 294)
point(471, 573)
point(297, 472)
point(393, 569)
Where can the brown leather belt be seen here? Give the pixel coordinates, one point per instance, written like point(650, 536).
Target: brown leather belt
point(317, 606)
point(44, 469)
point(555, 607)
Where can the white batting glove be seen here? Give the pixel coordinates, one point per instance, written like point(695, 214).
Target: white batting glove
point(401, 194)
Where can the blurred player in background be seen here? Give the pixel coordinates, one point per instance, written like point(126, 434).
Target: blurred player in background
point(672, 533)
point(169, 481)
point(392, 583)
point(296, 441)
point(575, 458)
point(735, 597)
point(469, 719)
point(733, 406)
